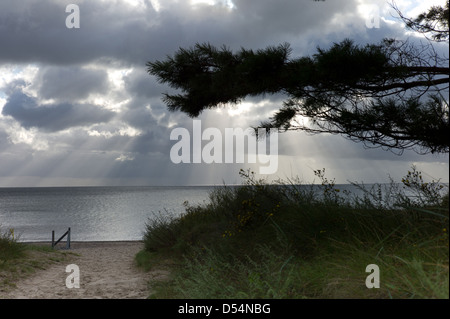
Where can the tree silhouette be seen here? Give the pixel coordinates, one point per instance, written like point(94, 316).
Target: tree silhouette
point(389, 94)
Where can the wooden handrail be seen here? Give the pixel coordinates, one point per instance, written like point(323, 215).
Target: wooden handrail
point(67, 233)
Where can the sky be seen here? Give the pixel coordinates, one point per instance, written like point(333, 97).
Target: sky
point(78, 108)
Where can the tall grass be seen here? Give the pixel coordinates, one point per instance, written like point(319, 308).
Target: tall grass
point(290, 241)
point(10, 248)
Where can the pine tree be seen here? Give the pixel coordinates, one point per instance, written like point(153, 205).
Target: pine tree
point(388, 94)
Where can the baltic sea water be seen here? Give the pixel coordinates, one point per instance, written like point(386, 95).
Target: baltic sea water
point(92, 213)
point(97, 213)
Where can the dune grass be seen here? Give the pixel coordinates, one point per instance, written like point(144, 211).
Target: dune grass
point(286, 241)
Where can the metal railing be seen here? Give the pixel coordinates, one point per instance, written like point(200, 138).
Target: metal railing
point(67, 233)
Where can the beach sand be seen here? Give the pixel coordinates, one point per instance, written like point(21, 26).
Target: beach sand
point(106, 270)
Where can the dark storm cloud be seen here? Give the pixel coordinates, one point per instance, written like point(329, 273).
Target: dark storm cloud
point(154, 141)
point(140, 118)
point(70, 83)
point(52, 117)
point(289, 17)
point(140, 84)
point(35, 31)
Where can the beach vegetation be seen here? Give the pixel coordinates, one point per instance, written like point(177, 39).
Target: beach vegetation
point(288, 240)
point(19, 260)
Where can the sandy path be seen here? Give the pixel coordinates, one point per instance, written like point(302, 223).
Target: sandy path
point(106, 270)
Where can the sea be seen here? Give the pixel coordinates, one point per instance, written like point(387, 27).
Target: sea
point(92, 213)
point(98, 213)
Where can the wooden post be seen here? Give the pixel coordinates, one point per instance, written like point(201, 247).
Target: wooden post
point(53, 238)
point(68, 239)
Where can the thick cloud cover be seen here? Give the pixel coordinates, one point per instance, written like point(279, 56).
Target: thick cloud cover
point(70, 83)
point(78, 108)
point(52, 117)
